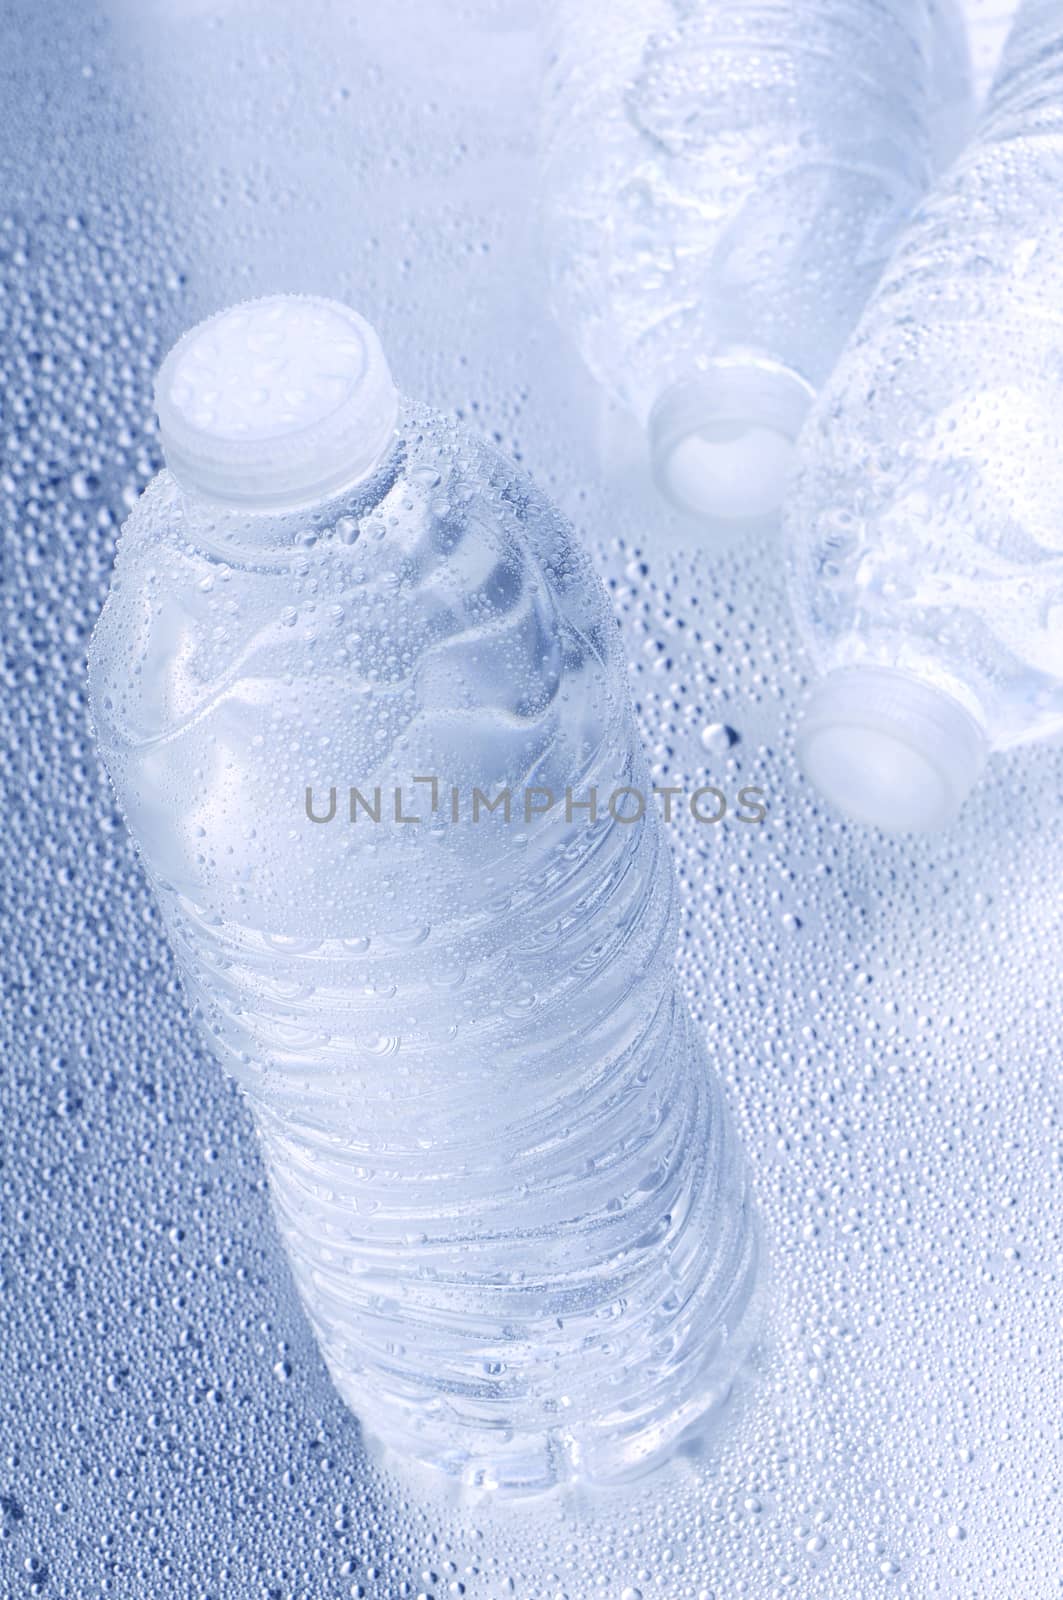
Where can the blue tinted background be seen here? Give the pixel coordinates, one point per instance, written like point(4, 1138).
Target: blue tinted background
point(885, 1013)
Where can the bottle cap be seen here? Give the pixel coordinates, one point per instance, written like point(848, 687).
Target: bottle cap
point(890, 750)
point(722, 440)
point(276, 402)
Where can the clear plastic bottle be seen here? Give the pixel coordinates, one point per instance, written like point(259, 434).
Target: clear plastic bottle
point(722, 185)
point(499, 1158)
point(926, 524)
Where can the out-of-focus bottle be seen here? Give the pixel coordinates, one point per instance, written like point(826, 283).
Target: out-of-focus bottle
point(722, 185)
point(926, 523)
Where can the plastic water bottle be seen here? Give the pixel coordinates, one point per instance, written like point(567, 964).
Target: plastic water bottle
point(926, 524)
point(723, 180)
point(340, 630)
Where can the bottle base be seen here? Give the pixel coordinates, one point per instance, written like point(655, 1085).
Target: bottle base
point(610, 1453)
point(546, 1471)
point(722, 440)
point(890, 750)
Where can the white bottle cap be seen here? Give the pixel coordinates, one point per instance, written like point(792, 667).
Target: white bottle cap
point(276, 403)
point(722, 440)
point(888, 749)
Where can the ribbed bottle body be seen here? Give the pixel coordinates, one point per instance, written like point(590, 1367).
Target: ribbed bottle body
point(500, 1162)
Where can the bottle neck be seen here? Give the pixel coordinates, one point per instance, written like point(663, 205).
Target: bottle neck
point(722, 439)
point(245, 534)
point(889, 748)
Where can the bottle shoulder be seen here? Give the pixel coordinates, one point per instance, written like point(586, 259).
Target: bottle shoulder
point(454, 549)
